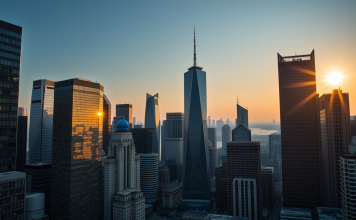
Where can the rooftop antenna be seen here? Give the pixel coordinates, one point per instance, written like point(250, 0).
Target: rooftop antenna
point(237, 98)
point(195, 55)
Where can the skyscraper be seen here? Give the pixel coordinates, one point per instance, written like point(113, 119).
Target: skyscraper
point(241, 133)
point(152, 119)
point(299, 131)
point(126, 111)
point(196, 183)
point(213, 151)
point(149, 177)
point(163, 137)
point(10, 45)
point(353, 125)
point(225, 136)
point(242, 115)
point(173, 128)
point(145, 140)
point(268, 187)
point(41, 121)
point(106, 123)
point(335, 139)
point(77, 149)
point(21, 142)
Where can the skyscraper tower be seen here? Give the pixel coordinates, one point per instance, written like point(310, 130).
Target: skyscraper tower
point(152, 119)
point(196, 184)
point(10, 45)
point(242, 114)
point(106, 123)
point(41, 121)
point(124, 110)
point(299, 131)
point(77, 150)
point(21, 139)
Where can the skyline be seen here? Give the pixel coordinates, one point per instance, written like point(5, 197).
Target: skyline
point(237, 57)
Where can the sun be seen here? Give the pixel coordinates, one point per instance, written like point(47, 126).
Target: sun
point(334, 78)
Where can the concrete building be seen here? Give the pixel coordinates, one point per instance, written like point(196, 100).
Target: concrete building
point(35, 206)
point(347, 163)
point(295, 213)
point(299, 131)
point(12, 185)
point(329, 213)
point(225, 136)
point(244, 181)
point(149, 177)
point(174, 149)
point(126, 111)
point(123, 198)
point(241, 133)
point(221, 186)
point(152, 120)
point(171, 195)
point(268, 187)
point(335, 138)
point(106, 123)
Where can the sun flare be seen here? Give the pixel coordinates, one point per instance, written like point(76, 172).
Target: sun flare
point(334, 78)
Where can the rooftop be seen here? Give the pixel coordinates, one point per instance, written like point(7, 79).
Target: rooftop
point(8, 176)
point(329, 213)
point(295, 58)
point(296, 211)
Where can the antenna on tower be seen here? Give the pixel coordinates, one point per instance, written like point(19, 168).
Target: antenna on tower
point(237, 98)
point(195, 55)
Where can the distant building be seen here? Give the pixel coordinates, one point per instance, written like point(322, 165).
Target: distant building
point(21, 142)
point(149, 177)
point(126, 111)
point(242, 115)
point(138, 126)
point(329, 213)
point(163, 137)
point(268, 187)
point(174, 149)
point(171, 195)
point(106, 123)
point(12, 186)
point(295, 213)
point(353, 125)
point(22, 111)
point(175, 170)
point(163, 175)
point(335, 138)
point(133, 121)
point(299, 131)
point(213, 124)
point(152, 120)
point(175, 125)
point(35, 206)
point(145, 140)
point(213, 151)
point(221, 186)
point(275, 155)
point(225, 136)
point(244, 181)
point(241, 133)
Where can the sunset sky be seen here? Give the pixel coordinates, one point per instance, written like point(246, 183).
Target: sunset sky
point(138, 47)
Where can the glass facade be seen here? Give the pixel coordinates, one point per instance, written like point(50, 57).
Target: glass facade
point(106, 123)
point(10, 53)
point(242, 115)
point(41, 121)
point(152, 119)
point(196, 184)
point(77, 149)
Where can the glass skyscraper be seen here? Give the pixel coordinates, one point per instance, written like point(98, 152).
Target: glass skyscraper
point(152, 119)
point(41, 121)
point(196, 184)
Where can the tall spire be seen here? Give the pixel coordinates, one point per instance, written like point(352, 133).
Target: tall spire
point(237, 99)
point(195, 55)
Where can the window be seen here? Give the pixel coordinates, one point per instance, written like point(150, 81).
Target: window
point(10, 41)
point(10, 33)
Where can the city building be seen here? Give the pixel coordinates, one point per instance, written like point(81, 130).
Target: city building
point(148, 211)
point(223, 217)
point(77, 149)
point(35, 206)
point(41, 121)
point(299, 131)
point(171, 195)
point(242, 115)
point(38, 180)
point(21, 143)
point(149, 177)
point(123, 199)
point(213, 124)
point(152, 120)
point(163, 174)
point(175, 170)
point(134, 121)
point(10, 45)
point(22, 111)
point(163, 137)
point(213, 151)
point(268, 187)
point(145, 140)
point(196, 182)
point(221, 186)
point(244, 180)
point(12, 191)
point(241, 133)
point(353, 125)
point(106, 123)
point(174, 149)
point(126, 111)
point(326, 213)
point(295, 213)
point(225, 136)
point(335, 139)
point(175, 125)
point(347, 181)
point(275, 155)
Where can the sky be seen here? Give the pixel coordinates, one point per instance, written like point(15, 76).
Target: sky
point(138, 47)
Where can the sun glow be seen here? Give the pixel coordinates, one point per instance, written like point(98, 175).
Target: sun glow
point(334, 78)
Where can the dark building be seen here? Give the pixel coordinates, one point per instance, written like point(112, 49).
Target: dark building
point(174, 125)
point(241, 133)
point(268, 187)
point(221, 186)
point(213, 151)
point(21, 142)
point(106, 123)
point(76, 178)
point(126, 111)
point(244, 181)
point(242, 115)
point(353, 125)
point(145, 140)
point(163, 137)
point(335, 139)
point(175, 170)
point(299, 131)
point(163, 175)
point(38, 180)
point(10, 53)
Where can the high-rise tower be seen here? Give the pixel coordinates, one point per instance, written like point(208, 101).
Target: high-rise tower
point(106, 123)
point(152, 119)
point(242, 115)
point(299, 131)
point(196, 184)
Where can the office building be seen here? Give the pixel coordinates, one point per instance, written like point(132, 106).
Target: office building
point(77, 149)
point(126, 111)
point(134, 121)
point(163, 137)
point(22, 111)
point(221, 186)
point(149, 177)
point(295, 213)
point(174, 149)
point(12, 191)
point(171, 195)
point(353, 125)
point(163, 174)
point(41, 121)
point(175, 170)
point(326, 213)
point(174, 125)
point(145, 140)
point(347, 163)
point(10, 45)
point(268, 187)
point(274, 143)
point(244, 181)
point(35, 206)
point(152, 119)
point(242, 115)
point(123, 199)
point(213, 151)
point(38, 180)
point(196, 182)
point(241, 133)
point(213, 124)
point(21, 142)
point(299, 131)
point(335, 139)
point(225, 136)
point(106, 122)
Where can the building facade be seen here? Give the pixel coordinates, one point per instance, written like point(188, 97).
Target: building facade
point(268, 187)
point(77, 149)
point(126, 111)
point(213, 151)
point(106, 123)
point(242, 115)
point(152, 119)
point(175, 170)
point(35, 206)
point(221, 186)
point(225, 136)
point(41, 121)
point(353, 125)
point(171, 195)
point(21, 142)
point(145, 140)
point(149, 177)
point(174, 149)
point(299, 131)
point(10, 55)
point(241, 133)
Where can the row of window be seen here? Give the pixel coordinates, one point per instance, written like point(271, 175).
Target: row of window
point(9, 70)
point(9, 63)
point(9, 48)
point(9, 55)
point(9, 78)
point(8, 85)
point(10, 33)
point(10, 41)
point(7, 115)
point(8, 108)
point(7, 167)
point(7, 100)
point(7, 137)
point(7, 123)
point(6, 92)
point(7, 160)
